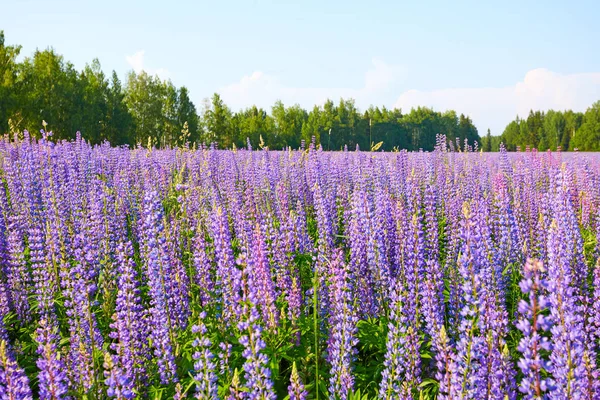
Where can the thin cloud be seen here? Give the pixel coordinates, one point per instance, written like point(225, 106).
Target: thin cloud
point(381, 76)
point(263, 90)
point(494, 108)
point(136, 62)
point(489, 107)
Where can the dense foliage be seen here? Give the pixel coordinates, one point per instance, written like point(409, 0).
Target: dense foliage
point(146, 109)
point(555, 129)
point(264, 274)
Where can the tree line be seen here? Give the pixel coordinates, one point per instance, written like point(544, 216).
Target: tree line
point(148, 110)
point(568, 130)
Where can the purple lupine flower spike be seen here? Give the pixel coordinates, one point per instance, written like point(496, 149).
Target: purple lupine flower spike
point(204, 273)
point(261, 282)
point(469, 360)
point(18, 277)
point(397, 382)
point(342, 336)
point(52, 377)
point(533, 324)
point(592, 335)
point(45, 284)
point(296, 387)
point(14, 384)
point(128, 328)
point(118, 382)
point(256, 372)
point(85, 335)
point(224, 355)
point(229, 278)
point(204, 366)
point(359, 263)
point(160, 313)
point(235, 389)
point(594, 321)
point(568, 368)
point(179, 395)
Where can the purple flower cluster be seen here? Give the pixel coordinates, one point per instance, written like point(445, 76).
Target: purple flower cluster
point(52, 376)
point(402, 275)
point(568, 369)
point(256, 373)
point(229, 277)
point(341, 347)
point(203, 266)
point(129, 327)
point(162, 314)
point(534, 324)
point(13, 381)
point(118, 381)
point(204, 366)
point(296, 388)
point(400, 373)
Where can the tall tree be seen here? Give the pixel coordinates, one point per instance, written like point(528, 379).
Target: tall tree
point(288, 125)
point(252, 124)
point(53, 92)
point(313, 126)
point(487, 143)
point(186, 112)
point(45, 87)
point(93, 106)
point(171, 130)
point(120, 128)
point(554, 129)
point(144, 96)
point(217, 120)
point(467, 131)
point(8, 84)
point(587, 137)
point(573, 121)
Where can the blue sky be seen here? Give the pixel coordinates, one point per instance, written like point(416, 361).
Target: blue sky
point(489, 61)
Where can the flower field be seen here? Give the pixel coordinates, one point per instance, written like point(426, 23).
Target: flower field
point(300, 274)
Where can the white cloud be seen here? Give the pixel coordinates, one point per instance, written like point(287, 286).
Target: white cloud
point(263, 89)
point(136, 61)
point(489, 107)
point(493, 108)
point(382, 75)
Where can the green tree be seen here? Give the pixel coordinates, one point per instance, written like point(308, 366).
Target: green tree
point(120, 128)
point(9, 93)
point(511, 135)
point(423, 125)
point(487, 142)
point(382, 125)
point(171, 130)
point(288, 125)
point(252, 124)
point(587, 137)
point(573, 120)
point(347, 130)
point(217, 119)
point(52, 91)
point(93, 105)
point(554, 129)
point(313, 127)
point(186, 112)
point(46, 87)
point(467, 131)
point(144, 97)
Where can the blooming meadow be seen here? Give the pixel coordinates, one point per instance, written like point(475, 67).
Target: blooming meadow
point(300, 274)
